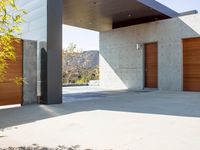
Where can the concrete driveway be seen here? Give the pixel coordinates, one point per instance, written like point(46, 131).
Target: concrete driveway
point(122, 120)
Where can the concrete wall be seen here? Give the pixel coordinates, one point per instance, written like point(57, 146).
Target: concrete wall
point(44, 25)
point(122, 65)
point(30, 72)
point(35, 26)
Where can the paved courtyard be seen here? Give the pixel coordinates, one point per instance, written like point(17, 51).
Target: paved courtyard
point(120, 120)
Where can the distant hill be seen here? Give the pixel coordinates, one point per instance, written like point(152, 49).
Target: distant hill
point(80, 66)
point(86, 59)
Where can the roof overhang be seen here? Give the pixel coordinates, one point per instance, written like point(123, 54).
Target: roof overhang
point(103, 15)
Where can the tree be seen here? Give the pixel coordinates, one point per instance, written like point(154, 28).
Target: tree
point(10, 21)
point(71, 48)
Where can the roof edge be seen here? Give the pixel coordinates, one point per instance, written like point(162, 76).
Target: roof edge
point(160, 7)
point(192, 12)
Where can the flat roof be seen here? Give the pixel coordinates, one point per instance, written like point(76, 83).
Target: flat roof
point(103, 15)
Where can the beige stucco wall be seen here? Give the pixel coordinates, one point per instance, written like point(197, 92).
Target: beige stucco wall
point(122, 65)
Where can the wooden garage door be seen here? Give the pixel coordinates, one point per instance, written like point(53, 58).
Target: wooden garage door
point(10, 92)
point(151, 65)
point(191, 64)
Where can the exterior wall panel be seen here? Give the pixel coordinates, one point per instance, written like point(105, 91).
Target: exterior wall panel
point(10, 92)
point(35, 27)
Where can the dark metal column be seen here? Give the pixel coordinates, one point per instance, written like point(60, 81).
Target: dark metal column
point(54, 52)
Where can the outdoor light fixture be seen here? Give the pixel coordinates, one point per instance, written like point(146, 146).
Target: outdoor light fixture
point(139, 46)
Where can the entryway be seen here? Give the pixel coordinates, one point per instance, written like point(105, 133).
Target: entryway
point(151, 65)
point(191, 64)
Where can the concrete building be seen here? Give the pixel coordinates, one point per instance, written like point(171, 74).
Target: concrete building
point(142, 43)
point(122, 63)
point(44, 25)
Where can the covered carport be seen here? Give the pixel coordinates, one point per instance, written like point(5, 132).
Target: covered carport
point(104, 15)
point(98, 15)
point(118, 120)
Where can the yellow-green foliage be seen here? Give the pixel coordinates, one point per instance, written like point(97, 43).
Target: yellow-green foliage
point(10, 20)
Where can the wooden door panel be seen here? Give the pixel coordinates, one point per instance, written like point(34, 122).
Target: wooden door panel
point(151, 65)
point(191, 64)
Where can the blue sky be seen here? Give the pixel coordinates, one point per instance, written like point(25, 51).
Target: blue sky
point(89, 40)
point(181, 5)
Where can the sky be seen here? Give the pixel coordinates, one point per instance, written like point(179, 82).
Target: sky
point(181, 5)
point(89, 40)
point(84, 39)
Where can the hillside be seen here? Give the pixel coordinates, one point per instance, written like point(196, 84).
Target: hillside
point(80, 67)
point(86, 59)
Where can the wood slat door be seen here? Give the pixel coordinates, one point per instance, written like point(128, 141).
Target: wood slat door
point(10, 92)
point(151, 65)
point(191, 64)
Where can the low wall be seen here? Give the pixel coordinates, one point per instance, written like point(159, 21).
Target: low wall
point(30, 72)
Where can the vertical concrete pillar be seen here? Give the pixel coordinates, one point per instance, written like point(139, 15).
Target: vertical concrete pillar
point(54, 52)
point(29, 72)
point(43, 72)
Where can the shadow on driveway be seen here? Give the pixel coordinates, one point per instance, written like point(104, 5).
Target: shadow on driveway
point(165, 103)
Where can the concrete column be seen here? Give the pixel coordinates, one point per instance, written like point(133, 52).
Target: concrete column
point(43, 72)
point(30, 72)
point(54, 52)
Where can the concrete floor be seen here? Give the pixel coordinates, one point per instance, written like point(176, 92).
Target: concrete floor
point(122, 120)
point(85, 93)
